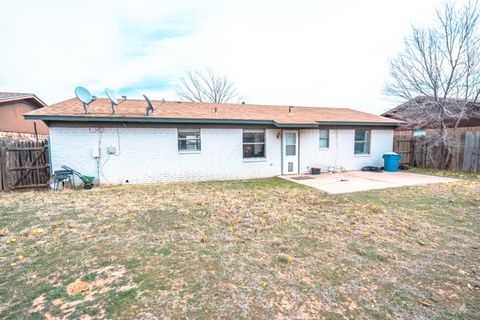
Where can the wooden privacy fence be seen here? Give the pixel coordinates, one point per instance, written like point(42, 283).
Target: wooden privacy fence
point(403, 146)
point(422, 152)
point(23, 165)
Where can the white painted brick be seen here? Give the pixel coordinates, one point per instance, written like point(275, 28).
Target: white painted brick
point(151, 154)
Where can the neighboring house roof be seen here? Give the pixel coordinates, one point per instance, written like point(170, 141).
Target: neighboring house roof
point(16, 96)
point(413, 113)
point(133, 110)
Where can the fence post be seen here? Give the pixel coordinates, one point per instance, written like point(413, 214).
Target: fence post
point(468, 152)
point(411, 145)
point(3, 169)
point(476, 150)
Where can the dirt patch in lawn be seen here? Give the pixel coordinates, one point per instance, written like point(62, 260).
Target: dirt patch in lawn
point(84, 297)
point(78, 286)
point(262, 249)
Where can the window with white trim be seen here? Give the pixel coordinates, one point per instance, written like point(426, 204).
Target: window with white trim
point(324, 138)
point(189, 140)
point(362, 141)
point(253, 143)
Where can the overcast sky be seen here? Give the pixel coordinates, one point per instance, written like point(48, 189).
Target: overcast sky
point(313, 53)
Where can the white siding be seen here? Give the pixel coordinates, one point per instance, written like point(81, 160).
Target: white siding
point(340, 151)
point(151, 154)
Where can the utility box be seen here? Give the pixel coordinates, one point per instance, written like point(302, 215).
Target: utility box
point(95, 152)
point(111, 150)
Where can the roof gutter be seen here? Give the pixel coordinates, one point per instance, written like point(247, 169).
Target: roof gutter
point(295, 125)
point(197, 121)
point(356, 123)
point(165, 120)
point(145, 120)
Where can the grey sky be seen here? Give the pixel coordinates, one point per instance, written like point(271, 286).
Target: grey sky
point(318, 53)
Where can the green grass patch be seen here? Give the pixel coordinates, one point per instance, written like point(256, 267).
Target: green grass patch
point(89, 277)
point(118, 301)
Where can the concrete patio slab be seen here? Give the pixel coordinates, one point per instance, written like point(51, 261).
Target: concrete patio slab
point(354, 181)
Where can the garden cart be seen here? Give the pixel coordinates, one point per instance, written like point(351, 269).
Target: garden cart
point(87, 180)
point(60, 177)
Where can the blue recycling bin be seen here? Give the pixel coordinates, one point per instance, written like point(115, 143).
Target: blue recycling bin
point(391, 161)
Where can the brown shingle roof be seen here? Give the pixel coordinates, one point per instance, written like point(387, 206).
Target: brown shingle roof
point(422, 112)
point(72, 109)
point(15, 96)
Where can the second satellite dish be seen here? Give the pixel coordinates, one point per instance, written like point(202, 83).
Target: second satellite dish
point(85, 96)
point(113, 99)
point(111, 96)
point(149, 109)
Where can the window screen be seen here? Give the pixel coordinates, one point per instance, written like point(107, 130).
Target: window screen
point(254, 143)
point(189, 140)
point(362, 141)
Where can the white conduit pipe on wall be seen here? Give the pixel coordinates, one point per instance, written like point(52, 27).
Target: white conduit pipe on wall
point(336, 147)
point(97, 154)
point(96, 150)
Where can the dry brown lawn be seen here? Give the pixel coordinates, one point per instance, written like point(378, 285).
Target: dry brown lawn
point(258, 249)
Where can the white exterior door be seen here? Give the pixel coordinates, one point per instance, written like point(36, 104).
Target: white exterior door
point(290, 152)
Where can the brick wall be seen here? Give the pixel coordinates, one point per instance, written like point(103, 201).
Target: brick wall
point(19, 136)
point(151, 154)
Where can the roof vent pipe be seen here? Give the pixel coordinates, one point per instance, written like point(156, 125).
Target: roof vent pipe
point(290, 109)
point(243, 102)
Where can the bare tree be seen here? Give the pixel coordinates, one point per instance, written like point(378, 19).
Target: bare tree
point(441, 63)
point(206, 86)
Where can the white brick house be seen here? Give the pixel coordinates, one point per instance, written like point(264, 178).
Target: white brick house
point(192, 141)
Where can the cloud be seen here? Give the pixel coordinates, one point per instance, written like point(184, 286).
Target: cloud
point(320, 53)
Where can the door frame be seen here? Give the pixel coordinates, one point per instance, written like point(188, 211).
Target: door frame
point(282, 151)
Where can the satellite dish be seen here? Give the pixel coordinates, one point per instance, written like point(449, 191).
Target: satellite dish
point(85, 96)
point(149, 109)
point(113, 99)
point(111, 96)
